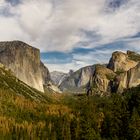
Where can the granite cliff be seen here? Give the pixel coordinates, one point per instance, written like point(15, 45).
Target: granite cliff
point(121, 62)
point(122, 72)
point(58, 77)
point(101, 80)
point(24, 61)
point(125, 73)
point(77, 80)
point(126, 66)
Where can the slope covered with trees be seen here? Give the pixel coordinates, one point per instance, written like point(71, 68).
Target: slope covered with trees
point(70, 118)
point(27, 114)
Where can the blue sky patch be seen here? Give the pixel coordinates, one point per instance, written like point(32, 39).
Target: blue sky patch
point(56, 57)
point(103, 51)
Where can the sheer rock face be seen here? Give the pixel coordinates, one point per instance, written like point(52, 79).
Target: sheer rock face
point(78, 79)
point(102, 78)
point(125, 67)
point(45, 73)
point(129, 79)
point(24, 62)
point(123, 72)
point(120, 62)
point(58, 77)
point(134, 76)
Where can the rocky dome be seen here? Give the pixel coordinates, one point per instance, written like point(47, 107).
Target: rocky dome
point(121, 62)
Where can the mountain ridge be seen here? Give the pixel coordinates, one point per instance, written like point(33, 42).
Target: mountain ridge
point(77, 79)
point(122, 72)
point(58, 77)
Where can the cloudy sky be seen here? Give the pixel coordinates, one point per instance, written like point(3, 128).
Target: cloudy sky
point(72, 33)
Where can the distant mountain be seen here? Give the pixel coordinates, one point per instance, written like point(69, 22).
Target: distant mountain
point(58, 77)
point(127, 68)
point(77, 80)
point(122, 61)
point(24, 62)
point(122, 72)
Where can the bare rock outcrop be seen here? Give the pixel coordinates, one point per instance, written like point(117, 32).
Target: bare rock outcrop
point(24, 62)
point(45, 73)
point(58, 77)
point(129, 79)
point(102, 79)
point(121, 62)
point(122, 72)
point(78, 79)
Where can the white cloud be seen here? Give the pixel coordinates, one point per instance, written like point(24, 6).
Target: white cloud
point(81, 60)
point(74, 65)
point(53, 25)
point(133, 44)
point(123, 23)
point(10, 28)
point(2, 1)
